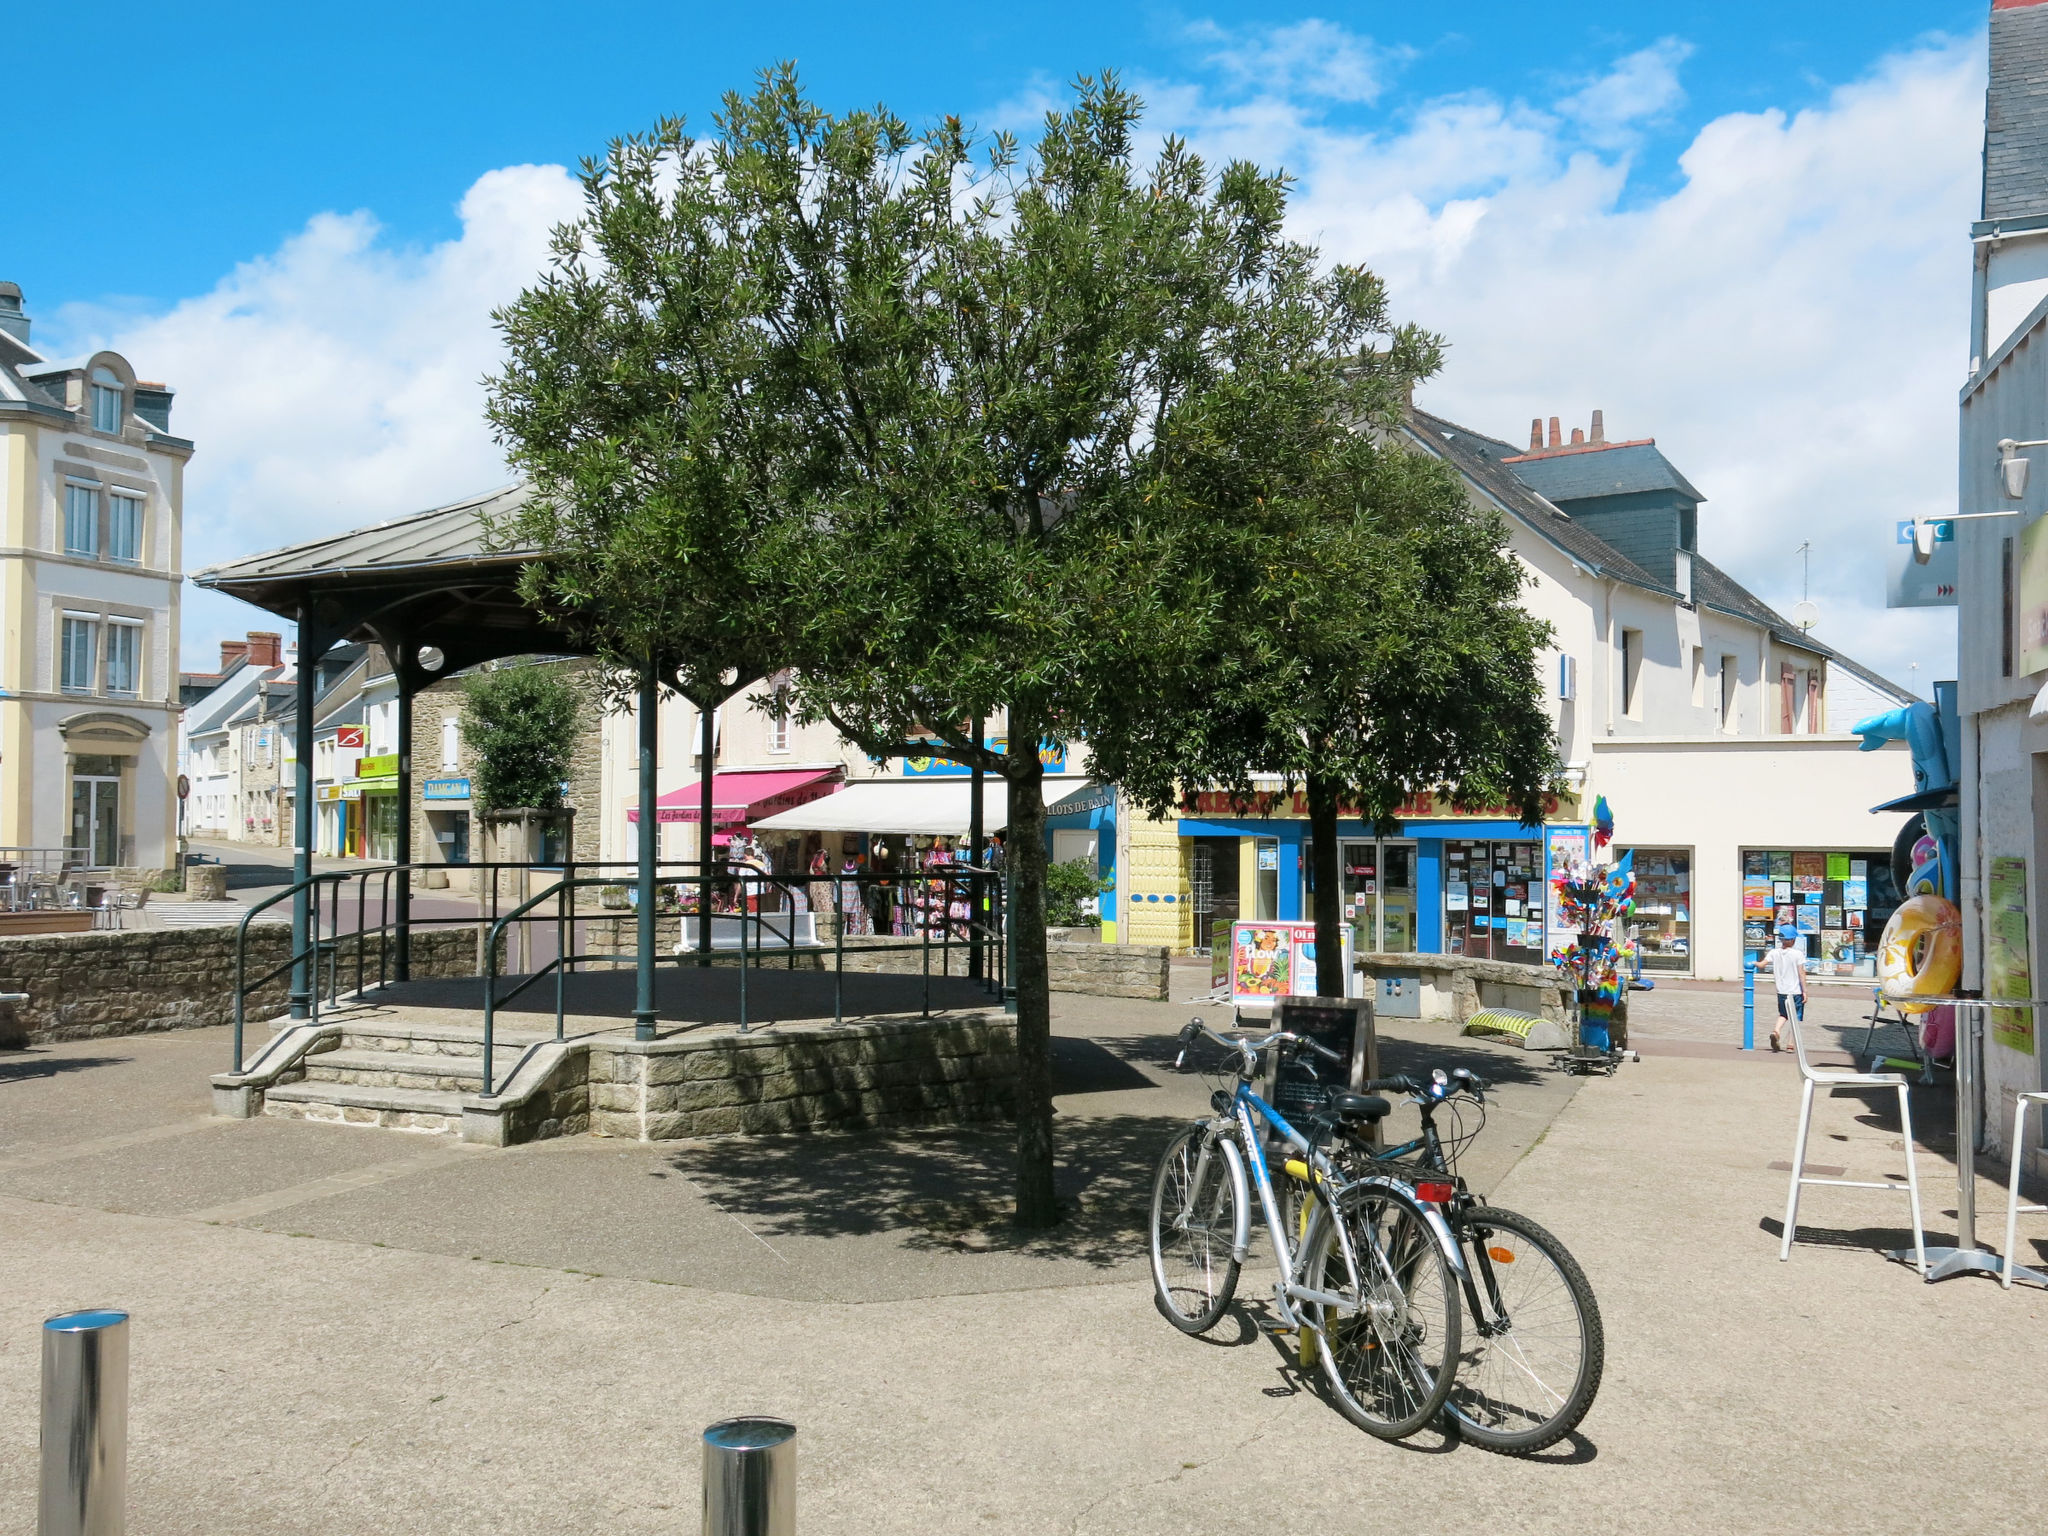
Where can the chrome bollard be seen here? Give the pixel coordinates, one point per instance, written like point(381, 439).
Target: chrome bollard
point(85, 1425)
point(750, 1478)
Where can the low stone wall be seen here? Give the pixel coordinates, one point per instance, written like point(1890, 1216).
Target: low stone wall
point(1454, 987)
point(1087, 966)
point(886, 1072)
point(83, 986)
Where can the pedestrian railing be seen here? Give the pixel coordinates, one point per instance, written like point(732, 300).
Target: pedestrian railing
point(361, 924)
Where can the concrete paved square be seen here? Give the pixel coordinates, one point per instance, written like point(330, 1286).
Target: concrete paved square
point(529, 1341)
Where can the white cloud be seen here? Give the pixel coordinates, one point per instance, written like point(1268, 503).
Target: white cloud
point(1790, 322)
point(1312, 58)
point(337, 381)
point(1641, 87)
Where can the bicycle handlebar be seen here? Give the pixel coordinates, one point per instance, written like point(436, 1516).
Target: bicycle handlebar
point(1440, 1086)
point(1248, 1050)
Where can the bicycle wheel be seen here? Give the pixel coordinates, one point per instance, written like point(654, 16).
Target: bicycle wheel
point(1194, 1230)
point(1528, 1371)
point(1390, 1361)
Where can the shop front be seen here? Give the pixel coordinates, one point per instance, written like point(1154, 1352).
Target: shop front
point(1450, 880)
point(1837, 901)
point(446, 803)
point(376, 791)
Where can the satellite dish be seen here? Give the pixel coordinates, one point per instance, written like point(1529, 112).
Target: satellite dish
point(1805, 614)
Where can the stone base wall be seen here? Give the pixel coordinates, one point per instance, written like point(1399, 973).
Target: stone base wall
point(1454, 987)
point(84, 986)
point(890, 1072)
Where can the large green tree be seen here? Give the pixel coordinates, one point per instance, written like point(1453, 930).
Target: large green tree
point(996, 353)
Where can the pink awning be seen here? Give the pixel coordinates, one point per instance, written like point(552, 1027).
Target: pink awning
point(746, 795)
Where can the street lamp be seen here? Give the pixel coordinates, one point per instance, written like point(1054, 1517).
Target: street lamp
point(2013, 466)
point(2012, 471)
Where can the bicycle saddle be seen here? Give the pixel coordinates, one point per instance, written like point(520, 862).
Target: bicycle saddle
point(1359, 1106)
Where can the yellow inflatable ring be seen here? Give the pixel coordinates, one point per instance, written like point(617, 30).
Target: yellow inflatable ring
point(1921, 954)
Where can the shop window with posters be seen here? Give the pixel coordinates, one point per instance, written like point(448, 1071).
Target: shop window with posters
point(1837, 901)
point(1663, 919)
point(1493, 900)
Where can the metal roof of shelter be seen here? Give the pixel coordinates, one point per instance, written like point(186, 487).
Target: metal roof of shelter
point(441, 577)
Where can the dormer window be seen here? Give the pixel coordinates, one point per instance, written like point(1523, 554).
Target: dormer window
point(106, 400)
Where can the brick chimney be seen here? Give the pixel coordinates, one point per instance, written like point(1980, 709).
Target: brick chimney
point(1578, 437)
point(265, 648)
point(1555, 440)
point(1599, 427)
point(1536, 434)
point(232, 651)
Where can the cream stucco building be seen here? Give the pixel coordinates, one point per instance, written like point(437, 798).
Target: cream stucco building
point(91, 491)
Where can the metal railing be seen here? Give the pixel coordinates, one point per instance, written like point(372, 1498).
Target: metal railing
point(944, 909)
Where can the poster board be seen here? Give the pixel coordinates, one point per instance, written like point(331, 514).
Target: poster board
point(1298, 1089)
point(2007, 972)
point(1272, 960)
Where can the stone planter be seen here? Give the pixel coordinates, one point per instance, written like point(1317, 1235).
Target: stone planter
point(206, 882)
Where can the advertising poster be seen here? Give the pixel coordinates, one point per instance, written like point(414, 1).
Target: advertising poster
point(1807, 918)
point(2032, 615)
point(1838, 866)
point(1455, 897)
point(1756, 864)
point(1271, 960)
point(2006, 969)
point(1856, 893)
point(1219, 954)
point(1781, 891)
point(1756, 896)
point(1781, 866)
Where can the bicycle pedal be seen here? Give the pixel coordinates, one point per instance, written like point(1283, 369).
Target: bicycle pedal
point(1278, 1330)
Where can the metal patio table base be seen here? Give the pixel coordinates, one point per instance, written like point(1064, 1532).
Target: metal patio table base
point(1967, 1257)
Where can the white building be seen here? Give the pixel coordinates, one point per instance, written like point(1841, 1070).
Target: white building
point(1715, 728)
point(2002, 568)
point(91, 491)
point(215, 736)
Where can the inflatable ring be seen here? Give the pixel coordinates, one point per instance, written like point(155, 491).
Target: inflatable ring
point(1921, 954)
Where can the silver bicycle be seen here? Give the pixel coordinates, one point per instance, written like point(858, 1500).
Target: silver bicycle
point(1369, 1270)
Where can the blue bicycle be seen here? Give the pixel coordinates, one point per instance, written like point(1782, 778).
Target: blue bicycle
point(1369, 1271)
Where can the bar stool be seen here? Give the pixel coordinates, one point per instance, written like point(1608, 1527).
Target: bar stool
point(1812, 1078)
point(2012, 1188)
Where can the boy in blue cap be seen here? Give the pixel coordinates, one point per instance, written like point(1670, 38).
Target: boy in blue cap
point(1788, 970)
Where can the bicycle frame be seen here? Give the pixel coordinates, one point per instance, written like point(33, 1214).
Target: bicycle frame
point(1489, 1319)
point(1247, 1112)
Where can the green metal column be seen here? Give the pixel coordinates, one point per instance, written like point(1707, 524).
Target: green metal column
point(643, 996)
point(303, 971)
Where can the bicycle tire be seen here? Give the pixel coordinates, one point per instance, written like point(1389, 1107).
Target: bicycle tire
point(1194, 1270)
point(1544, 1314)
point(1391, 1364)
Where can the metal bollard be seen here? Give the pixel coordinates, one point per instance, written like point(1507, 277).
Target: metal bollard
point(750, 1478)
point(1749, 1005)
point(85, 1425)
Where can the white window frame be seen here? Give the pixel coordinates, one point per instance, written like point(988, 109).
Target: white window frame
point(133, 630)
point(82, 494)
point(778, 723)
point(106, 400)
point(88, 625)
point(115, 499)
point(451, 743)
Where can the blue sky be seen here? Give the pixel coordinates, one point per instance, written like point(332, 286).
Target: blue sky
point(1735, 227)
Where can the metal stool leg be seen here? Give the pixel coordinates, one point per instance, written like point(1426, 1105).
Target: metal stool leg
point(1798, 1169)
point(2012, 1188)
point(1912, 1182)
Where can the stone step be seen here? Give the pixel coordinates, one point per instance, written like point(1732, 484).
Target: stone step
point(394, 1109)
point(405, 1069)
point(430, 1039)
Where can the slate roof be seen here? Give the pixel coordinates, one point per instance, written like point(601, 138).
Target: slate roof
point(2016, 114)
point(1611, 471)
point(1479, 458)
point(442, 538)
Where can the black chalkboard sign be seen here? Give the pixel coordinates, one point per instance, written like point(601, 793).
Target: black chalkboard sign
point(1341, 1024)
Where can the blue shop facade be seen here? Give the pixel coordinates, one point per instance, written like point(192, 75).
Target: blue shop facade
point(1447, 881)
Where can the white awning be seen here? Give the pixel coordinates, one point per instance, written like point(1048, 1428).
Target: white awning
point(933, 807)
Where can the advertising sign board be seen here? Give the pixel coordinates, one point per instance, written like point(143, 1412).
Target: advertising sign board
point(1909, 584)
point(1272, 960)
point(1301, 1087)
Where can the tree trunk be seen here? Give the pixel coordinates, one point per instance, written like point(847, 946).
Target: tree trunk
point(708, 720)
point(1329, 883)
point(1036, 1205)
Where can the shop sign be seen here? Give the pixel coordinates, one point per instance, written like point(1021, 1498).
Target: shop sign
point(349, 736)
point(1417, 807)
point(2033, 596)
point(329, 792)
point(383, 766)
point(351, 791)
point(445, 789)
point(1052, 756)
point(2007, 972)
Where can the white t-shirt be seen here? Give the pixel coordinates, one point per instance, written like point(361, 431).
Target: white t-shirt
point(1788, 969)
